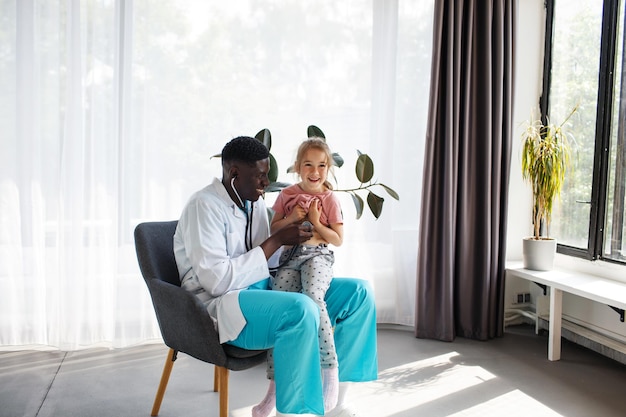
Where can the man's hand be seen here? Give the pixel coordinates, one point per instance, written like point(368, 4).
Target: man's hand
point(292, 234)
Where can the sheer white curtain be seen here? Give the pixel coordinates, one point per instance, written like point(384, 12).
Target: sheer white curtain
point(111, 111)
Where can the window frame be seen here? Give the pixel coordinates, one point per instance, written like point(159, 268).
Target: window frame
point(601, 164)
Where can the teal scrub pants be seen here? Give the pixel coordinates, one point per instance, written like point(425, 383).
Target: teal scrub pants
point(289, 322)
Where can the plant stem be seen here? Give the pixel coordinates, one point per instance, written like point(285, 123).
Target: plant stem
point(570, 115)
point(361, 187)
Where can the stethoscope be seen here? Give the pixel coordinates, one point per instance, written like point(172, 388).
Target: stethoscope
point(248, 233)
point(249, 215)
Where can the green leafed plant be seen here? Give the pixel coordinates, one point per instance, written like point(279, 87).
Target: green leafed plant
point(546, 153)
point(364, 170)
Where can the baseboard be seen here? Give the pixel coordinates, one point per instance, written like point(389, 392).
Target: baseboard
point(392, 326)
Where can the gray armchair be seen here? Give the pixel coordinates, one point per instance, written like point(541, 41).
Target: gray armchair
point(184, 322)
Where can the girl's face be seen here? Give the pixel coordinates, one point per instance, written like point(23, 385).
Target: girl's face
point(313, 170)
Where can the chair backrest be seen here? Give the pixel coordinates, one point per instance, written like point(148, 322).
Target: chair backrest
point(184, 321)
point(155, 251)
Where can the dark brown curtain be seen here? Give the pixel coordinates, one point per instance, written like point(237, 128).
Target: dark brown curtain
point(460, 282)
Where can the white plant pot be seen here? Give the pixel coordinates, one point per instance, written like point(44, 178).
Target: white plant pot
point(538, 254)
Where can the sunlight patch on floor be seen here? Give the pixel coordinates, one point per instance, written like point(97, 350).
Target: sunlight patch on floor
point(420, 384)
point(411, 385)
point(511, 404)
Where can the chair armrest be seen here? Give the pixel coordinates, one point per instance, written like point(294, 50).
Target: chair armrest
point(185, 323)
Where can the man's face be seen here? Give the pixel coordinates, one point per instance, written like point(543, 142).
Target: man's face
point(252, 179)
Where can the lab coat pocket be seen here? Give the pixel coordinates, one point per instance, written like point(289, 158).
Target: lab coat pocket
point(234, 244)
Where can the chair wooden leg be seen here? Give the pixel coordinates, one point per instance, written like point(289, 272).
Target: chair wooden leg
point(223, 389)
point(216, 379)
point(165, 377)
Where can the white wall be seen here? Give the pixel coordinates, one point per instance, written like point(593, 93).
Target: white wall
point(529, 62)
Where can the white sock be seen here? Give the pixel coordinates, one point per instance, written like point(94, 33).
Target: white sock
point(343, 393)
point(330, 387)
point(265, 407)
point(342, 409)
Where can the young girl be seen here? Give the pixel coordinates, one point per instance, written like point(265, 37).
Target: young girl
point(307, 268)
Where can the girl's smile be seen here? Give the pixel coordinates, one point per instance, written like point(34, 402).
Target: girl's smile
point(313, 170)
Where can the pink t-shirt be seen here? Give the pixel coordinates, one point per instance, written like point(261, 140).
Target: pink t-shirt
point(292, 195)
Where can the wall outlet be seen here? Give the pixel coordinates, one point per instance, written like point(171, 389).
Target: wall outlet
point(522, 298)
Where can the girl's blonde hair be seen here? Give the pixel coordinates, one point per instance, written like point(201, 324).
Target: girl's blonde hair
point(319, 144)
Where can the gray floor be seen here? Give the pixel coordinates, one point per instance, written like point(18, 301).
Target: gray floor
point(505, 377)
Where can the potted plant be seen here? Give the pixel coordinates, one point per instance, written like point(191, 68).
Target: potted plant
point(546, 153)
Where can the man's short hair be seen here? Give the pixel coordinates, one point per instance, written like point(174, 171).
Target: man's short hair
point(244, 149)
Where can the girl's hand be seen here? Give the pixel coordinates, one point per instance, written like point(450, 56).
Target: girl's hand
point(297, 214)
point(295, 217)
point(315, 211)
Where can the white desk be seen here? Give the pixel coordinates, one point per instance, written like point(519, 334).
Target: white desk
point(602, 290)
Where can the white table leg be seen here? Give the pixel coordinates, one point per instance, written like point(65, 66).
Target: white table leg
point(556, 307)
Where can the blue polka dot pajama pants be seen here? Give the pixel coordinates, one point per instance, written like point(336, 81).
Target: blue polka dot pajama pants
point(309, 271)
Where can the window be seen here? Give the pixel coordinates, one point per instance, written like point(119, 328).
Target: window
point(584, 66)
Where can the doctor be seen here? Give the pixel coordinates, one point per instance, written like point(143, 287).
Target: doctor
point(222, 244)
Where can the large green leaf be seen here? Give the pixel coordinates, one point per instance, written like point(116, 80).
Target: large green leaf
point(390, 191)
point(375, 203)
point(364, 168)
point(358, 204)
point(273, 174)
point(338, 160)
point(265, 137)
point(314, 131)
